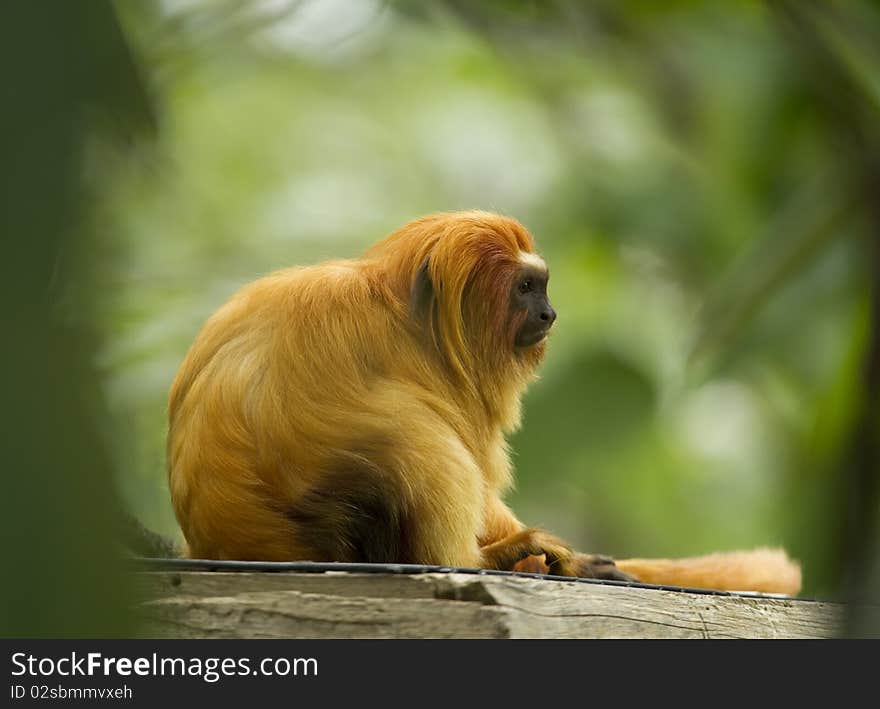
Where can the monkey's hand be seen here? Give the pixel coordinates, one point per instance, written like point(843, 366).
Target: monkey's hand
point(587, 566)
point(523, 551)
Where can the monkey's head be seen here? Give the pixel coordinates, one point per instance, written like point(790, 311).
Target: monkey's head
point(476, 288)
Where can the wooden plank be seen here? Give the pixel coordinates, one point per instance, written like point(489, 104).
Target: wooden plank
point(339, 605)
point(573, 610)
point(292, 614)
point(221, 583)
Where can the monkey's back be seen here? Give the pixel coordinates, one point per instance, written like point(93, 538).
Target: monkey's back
point(286, 379)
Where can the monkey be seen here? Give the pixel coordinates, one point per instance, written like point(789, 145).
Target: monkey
point(358, 411)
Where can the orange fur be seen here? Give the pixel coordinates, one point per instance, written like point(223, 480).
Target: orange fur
point(311, 373)
point(763, 570)
point(356, 410)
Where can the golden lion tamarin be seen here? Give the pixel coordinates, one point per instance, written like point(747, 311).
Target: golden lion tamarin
point(357, 410)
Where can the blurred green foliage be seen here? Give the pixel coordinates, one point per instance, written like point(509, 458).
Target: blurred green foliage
point(698, 176)
point(64, 74)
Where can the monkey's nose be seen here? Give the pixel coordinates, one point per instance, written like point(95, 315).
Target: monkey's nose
point(548, 316)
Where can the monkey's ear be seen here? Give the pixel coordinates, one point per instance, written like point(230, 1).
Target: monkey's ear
point(422, 294)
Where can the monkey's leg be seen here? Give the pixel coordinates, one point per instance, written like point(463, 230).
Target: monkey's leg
point(425, 474)
point(508, 545)
point(233, 521)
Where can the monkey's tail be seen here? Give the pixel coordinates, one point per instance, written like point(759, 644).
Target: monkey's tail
point(763, 570)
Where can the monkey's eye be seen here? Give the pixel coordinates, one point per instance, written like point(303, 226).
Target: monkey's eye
point(524, 287)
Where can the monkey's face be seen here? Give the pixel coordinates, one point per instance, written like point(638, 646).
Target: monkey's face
point(530, 306)
point(479, 292)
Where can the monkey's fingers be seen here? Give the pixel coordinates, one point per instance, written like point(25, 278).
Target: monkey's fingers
point(556, 552)
point(533, 564)
point(504, 554)
point(589, 566)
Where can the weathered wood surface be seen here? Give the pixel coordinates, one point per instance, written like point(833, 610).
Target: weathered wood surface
point(342, 605)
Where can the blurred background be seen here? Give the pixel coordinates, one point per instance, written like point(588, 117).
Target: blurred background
point(703, 179)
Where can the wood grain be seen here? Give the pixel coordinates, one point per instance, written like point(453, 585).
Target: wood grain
point(342, 605)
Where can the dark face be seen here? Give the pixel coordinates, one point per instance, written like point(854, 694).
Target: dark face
point(530, 295)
